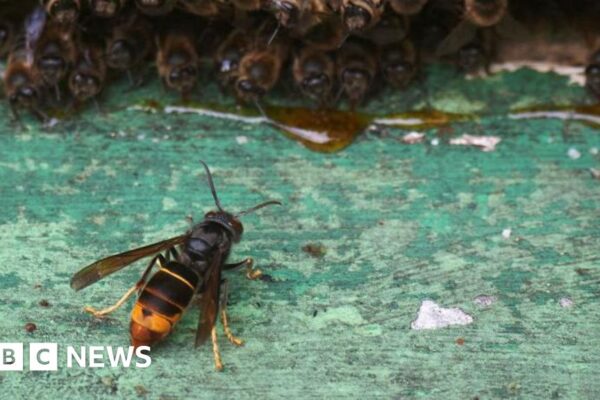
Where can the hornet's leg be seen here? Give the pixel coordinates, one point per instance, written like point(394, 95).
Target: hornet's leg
point(251, 273)
point(216, 353)
point(108, 310)
point(132, 290)
point(234, 340)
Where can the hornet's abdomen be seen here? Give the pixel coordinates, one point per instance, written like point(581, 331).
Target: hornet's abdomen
point(161, 303)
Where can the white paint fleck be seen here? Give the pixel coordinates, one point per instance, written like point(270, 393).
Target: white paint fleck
point(576, 74)
point(432, 316)
point(241, 139)
point(99, 219)
point(506, 233)
point(565, 302)
point(435, 141)
point(168, 203)
point(484, 300)
point(485, 143)
point(573, 153)
point(413, 137)
point(594, 151)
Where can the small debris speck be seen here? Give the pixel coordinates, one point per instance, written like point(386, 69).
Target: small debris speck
point(595, 173)
point(314, 249)
point(413, 137)
point(108, 380)
point(30, 327)
point(506, 233)
point(460, 341)
point(565, 302)
point(141, 390)
point(44, 303)
point(573, 153)
point(484, 300)
point(241, 139)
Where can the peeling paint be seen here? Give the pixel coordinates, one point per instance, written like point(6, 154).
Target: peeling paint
point(432, 316)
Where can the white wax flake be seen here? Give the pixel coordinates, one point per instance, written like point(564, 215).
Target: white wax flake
point(413, 137)
point(594, 151)
point(565, 302)
point(506, 233)
point(484, 300)
point(432, 316)
point(573, 153)
point(485, 143)
point(435, 141)
point(241, 139)
point(595, 173)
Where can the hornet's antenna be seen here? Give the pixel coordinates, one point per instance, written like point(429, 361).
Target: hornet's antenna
point(212, 186)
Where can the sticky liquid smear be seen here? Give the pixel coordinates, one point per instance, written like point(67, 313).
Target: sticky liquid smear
point(325, 131)
point(329, 131)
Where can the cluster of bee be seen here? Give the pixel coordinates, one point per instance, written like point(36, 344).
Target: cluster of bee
point(334, 48)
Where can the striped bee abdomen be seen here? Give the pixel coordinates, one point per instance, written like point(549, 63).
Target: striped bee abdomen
point(161, 303)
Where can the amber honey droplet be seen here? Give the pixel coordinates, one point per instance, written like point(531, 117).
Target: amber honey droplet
point(320, 130)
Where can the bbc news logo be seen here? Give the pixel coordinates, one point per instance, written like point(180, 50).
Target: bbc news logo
point(45, 356)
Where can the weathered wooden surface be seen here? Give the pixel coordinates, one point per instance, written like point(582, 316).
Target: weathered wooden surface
point(399, 223)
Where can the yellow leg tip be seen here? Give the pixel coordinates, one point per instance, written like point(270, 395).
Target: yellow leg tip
point(253, 274)
point(236, 341)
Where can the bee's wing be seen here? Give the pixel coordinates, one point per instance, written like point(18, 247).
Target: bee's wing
point(462, 34)
point(102, 268)
point(209, 300)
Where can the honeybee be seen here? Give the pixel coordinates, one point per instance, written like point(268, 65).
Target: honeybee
point(248, 5)
point(407, 7)
point(155, 7)
point(392, 28)
point(301, 14)
point(89, 72)
point(177, 61)
point(329, 34)
point(398, 63)
point(360, 15)
point(356, 65)
point(473, 57)
point(314, 73)
point(22, 83)
point(54, 54)
point(106, 8)
point(229, 55)
point(491, 16)
point(260, 68)
point(592, 74)
point(190, 272)
point(63, 11)
point(7, 34)
point(204, 8)
point(129, 44)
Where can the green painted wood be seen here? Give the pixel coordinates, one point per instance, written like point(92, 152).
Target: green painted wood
point(399, 224)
